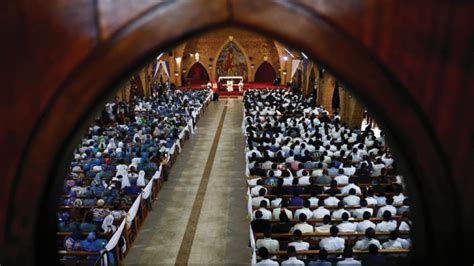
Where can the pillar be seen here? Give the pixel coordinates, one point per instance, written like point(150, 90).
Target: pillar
point(352, 111)
point(326, 91)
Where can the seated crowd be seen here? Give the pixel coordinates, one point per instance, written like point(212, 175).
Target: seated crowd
point(129, 145)
point(318, 187)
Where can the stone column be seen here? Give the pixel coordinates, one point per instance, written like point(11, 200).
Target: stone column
point(352, 111)
point(326, 91)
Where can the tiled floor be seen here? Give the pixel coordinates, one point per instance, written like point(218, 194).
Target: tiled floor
point(222, 230)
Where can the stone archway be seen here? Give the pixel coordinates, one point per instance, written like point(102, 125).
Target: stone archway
point(265, 73)
point(57, 130)
point(197, 74)
point(231, 60)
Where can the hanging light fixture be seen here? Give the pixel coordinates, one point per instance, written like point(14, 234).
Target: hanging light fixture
point(196, 56)
point(178, 60)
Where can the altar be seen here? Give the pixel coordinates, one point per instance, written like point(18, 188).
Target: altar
point(231, 83)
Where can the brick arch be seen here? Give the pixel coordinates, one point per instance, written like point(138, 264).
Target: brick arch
point(265, 73)
point(28, 187)
point(197, 74)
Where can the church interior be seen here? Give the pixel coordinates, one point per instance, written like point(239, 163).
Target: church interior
point(262, 133)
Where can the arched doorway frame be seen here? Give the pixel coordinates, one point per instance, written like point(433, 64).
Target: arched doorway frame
point(139, 40)
point(258, 68)
point(197, 64)
point(221, 48)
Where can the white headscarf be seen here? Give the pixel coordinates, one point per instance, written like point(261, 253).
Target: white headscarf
point(112, 144)
point(125, 180)
point(141, 179)
point(108, 224)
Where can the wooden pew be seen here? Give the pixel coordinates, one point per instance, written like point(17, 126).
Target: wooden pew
point(320, 221)
point(357, 252)
point(279, 236)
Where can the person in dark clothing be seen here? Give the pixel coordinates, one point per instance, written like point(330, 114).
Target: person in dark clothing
point(374, 258)
point(296, 200)
point(295, 188)
point(313, 188)
point(363, 174)
point(333, 188)
point(260, 225)
point(279, 189)
point(283, 226)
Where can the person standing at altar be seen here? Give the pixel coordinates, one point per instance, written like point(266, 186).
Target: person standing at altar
point(215, 91)
point(241, 85)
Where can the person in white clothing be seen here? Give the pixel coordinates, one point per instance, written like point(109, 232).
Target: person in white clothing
point(299, 244)
point(345, 189)
point(303, 226)
point(304, 179)
point(352, 199)
point(392, 242)
point(288, 181)
point(320, 212)
point(387, 159)
point(377, 168)
point(253, 181)
point(276, 202)
point(267, 242)
point(284, 208)
point(404, 208)
point(334, 242)
point(342, 179)
point(292, 260)
point(369, 239)
point(325, 227)
point(318, 171)
point(349, 169)
point(371, 200)
point(398, 198)
point(366, 223)
point(348, 259)
point(337, 214)
point(313, 200)
point(406, 243)
point(257, 200)
point(359, 212)
point(405, 223)
point(345, 225)
point(266, 214)
point(387, 225)
point(256, 190)
point(304, 210)
point(388, 207)
point(331, 200)
point(263, 253)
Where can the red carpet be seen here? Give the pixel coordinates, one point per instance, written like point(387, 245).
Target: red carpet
point(247, 86)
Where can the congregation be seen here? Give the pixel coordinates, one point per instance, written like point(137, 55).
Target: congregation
point(320, 193)
point(118, 169)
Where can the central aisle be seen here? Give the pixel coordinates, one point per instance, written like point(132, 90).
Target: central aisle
point(214, 225)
